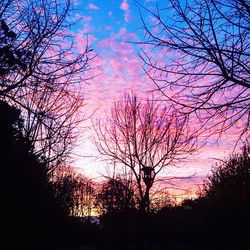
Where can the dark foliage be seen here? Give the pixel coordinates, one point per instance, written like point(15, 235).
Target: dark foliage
point(219, 218)
point(120, 221)
point(116, 195)
point(35, 212)
point(120, 228)
point(35, 219)
point(75, 192)
point(64, 189)
point(230, 181)
point(227, 192)
point(12, 58)
point(32, 218)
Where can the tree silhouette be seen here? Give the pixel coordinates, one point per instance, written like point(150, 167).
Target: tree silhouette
point(116, 195)
point(229, 183)
point(65, 185)
point(32, 218)
point(119, 217)
point(227, 198)
point(75, 192)
point(200, 59)
point(42, 73)
point(11, 59)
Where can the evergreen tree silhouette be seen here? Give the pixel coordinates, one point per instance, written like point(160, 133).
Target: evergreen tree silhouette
point(32, 218)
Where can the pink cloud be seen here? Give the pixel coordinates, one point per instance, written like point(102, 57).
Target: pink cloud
point(116, 65)
point(92, 6)
point(125, 35)
point(119, 70)
point(124, 5)
point(82, 40)
point(127, 17)
point(87, 19)
point(109, 43)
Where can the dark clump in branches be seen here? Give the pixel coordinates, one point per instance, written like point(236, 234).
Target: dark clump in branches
point(200, 59)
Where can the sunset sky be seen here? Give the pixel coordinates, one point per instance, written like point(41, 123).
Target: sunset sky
point(110, 26)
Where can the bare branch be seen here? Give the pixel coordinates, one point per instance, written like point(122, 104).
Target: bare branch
point(200, 60)
point(43, 73)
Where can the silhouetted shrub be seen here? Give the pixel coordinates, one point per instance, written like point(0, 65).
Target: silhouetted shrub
point(227, 191)
point(116, 196)
point(32, 217)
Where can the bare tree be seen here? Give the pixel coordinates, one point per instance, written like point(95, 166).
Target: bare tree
point(75, 192)
point(42, 72)
point(64, 184)
point(85, 197)
point(142, 135)
point(200, 59)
